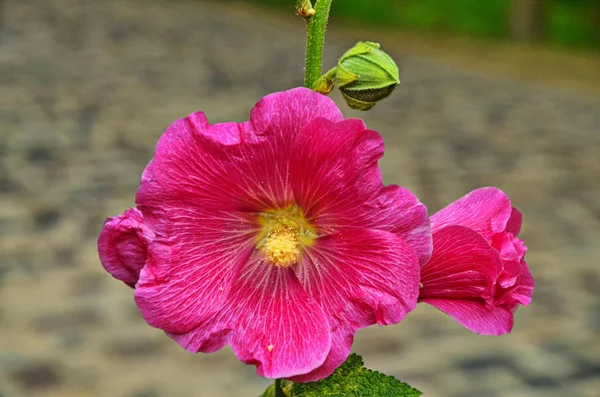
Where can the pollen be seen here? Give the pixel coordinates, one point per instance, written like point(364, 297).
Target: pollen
point(283, 234)
point(281, 247)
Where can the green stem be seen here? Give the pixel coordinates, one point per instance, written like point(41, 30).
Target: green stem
point(315, 39)
point(278, 388)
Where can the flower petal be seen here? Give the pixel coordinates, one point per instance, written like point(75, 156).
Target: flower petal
point(205, 166)
point(463, 266)
point(400, 212)
point(524, 291)
point(341, 345)
point(289, 111)
point(122, 245)
point(486, 211)
point(509, 248)
point(517, 287)
point(514, 222)
point(208, 337)
point(230, 166)
point(511, 251)
point(192, 264)
point(359, 277)
point(337, 182)
point(277, 325)
point(476, 316)
point(266, 317)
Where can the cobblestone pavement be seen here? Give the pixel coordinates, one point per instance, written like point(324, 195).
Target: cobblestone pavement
point(86, 88)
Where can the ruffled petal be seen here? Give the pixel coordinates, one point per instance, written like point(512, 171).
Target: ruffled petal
point(208, 337)
point(399, 211)
point(288, 111)
point(276, 324)
point(463, 266)
point(515, 288)
point(231, 166)
point(486, 211)
point(211, 167)
point(476, 316)
point(509, 248)
point(511, 251)
point(359, 277)
point(341, 345)
point(513, 225)
point(524, 291)
point(192, 264)
point(122, 245)
point(262, 312)
point(337, 182)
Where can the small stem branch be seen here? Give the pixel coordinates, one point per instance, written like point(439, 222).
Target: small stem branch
point(315, 39)
point(325, 83)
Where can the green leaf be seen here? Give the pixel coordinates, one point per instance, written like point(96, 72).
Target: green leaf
point(354, 380)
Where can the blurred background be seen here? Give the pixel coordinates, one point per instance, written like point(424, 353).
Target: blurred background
point(493, 92)
point(574, 23)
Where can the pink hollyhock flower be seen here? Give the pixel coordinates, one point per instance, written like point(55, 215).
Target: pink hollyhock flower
point(477, 272)
point(275, 236)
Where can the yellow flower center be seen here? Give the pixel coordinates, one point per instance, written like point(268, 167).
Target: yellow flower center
point(284, 233)
point(282, 246)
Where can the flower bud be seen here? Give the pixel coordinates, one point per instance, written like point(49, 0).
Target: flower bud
point(365, 74)
point(304, 8)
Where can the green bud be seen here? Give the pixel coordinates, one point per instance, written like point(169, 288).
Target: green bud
point(365, 74)
point(304, 8)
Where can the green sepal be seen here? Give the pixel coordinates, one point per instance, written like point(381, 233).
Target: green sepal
point(325, 83)
point(356, 104)
point(344, 77)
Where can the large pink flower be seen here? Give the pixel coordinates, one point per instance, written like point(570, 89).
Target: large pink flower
point(276, 236)
point(477, 272)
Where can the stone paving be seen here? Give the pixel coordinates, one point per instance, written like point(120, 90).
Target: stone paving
point(86, 88)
